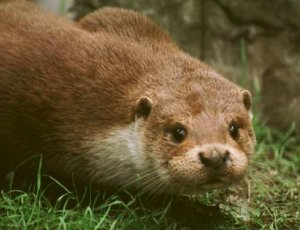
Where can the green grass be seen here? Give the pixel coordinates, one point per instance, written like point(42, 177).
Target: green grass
point(275, 185)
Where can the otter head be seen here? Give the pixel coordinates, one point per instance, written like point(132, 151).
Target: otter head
point(188, 129)
point(196, 134)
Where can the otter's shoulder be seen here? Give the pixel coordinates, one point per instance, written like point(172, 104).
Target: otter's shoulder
point(127, 24)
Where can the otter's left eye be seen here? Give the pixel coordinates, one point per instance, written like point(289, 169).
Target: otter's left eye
point(234, 130)
point(178, 133)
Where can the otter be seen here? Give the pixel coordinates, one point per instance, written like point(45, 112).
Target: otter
point(112, 100)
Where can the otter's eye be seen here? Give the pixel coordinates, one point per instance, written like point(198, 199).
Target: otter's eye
point(178, 133)
point(234, 130)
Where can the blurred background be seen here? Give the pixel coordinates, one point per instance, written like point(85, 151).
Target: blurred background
point(254, 43)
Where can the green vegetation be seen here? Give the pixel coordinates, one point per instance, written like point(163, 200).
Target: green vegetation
point(275, 202)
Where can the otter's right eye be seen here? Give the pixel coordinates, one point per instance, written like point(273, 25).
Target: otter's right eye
point(233, 130)
point(178, 133)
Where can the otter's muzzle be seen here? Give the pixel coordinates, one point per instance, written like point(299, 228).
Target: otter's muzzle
point(214, 156)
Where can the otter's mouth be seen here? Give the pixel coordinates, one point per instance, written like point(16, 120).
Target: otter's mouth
point(214, 181)
point(213, 184)
point(208, 185)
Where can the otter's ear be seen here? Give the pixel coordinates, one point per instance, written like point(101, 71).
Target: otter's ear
point(143, 107)
point(247, 99)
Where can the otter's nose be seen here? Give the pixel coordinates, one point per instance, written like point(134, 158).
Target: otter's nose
point(214, 158)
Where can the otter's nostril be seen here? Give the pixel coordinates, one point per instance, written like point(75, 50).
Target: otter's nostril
point(203, 159)
point(226, 156)
point(214, 159)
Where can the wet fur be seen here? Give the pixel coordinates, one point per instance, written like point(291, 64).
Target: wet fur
point(68, 92)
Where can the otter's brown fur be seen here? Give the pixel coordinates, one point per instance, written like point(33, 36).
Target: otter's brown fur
point(98, 99)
